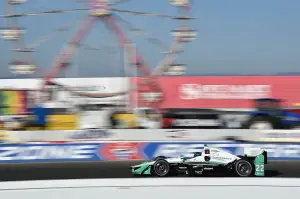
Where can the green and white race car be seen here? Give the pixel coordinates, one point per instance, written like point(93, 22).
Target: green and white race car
point(252, 163)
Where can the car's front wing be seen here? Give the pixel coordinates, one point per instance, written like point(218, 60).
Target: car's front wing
point(142, 169)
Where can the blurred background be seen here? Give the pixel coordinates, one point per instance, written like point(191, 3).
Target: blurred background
point(87, 70)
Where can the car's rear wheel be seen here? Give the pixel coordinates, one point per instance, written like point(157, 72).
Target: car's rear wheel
point(161, 168)
point(243, 168)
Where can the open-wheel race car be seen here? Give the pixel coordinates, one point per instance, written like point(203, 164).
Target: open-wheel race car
point(252, 163)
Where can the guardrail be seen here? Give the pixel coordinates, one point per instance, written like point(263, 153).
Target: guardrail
point(103, 151)
point(175, 188)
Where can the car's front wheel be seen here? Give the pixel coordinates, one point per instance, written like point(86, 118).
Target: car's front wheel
point(159, 157)
point(161, 168)
point(243, 168)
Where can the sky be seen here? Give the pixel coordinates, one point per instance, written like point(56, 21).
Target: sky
point(234, 37)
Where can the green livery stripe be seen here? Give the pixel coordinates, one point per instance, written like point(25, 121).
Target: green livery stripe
point(144, 169)
point(259, 164)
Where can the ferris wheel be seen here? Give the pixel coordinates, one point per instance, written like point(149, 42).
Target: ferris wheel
point(105, 11)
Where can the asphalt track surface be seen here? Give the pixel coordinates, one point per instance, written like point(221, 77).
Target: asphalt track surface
point(111, 169)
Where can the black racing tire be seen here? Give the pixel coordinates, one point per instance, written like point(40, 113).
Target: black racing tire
point(243, 168)
point(161, 168)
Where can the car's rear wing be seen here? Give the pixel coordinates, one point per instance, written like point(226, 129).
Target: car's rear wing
point(257, 153)
point(259, 158)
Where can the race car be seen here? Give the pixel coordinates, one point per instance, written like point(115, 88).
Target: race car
point(252, 163)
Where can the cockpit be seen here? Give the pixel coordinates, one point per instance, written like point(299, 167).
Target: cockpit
point(206, 151)
point(197, 154)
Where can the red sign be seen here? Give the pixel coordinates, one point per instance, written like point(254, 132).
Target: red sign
point(122, 151)
point(224, 91)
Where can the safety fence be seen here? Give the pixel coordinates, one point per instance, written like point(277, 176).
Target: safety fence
point(103, 151)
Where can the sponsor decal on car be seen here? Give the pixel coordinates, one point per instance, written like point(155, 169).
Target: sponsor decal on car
point(177, 149)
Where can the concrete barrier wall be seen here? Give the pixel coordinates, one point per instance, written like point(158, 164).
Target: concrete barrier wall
point(172, 188)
